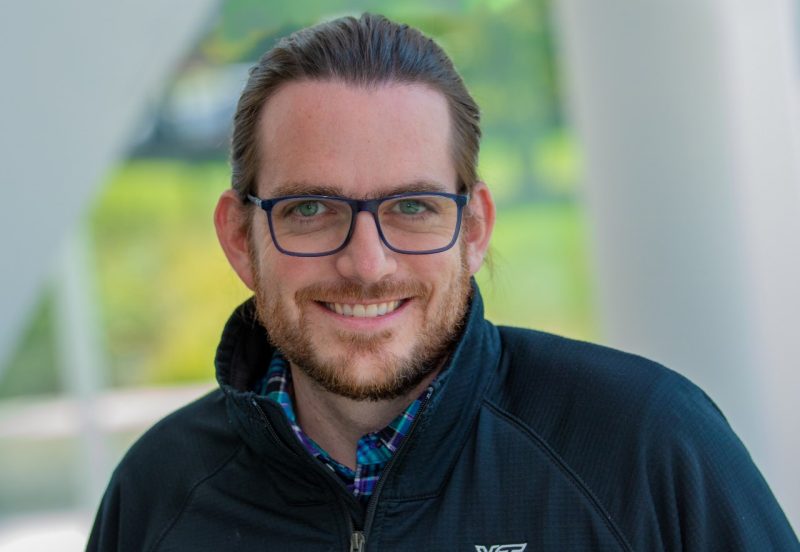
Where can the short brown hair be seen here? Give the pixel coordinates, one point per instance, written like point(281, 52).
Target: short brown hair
point(367, 51)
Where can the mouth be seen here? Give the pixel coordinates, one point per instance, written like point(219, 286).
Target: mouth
point(364, 310)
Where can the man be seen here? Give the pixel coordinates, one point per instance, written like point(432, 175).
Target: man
point(364, 402)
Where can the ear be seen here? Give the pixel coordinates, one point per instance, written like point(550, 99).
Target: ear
point(478, 225)
point(230, 220)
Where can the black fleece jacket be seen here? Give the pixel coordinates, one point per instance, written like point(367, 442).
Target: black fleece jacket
point(531, 439)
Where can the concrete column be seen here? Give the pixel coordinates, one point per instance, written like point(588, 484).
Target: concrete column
point(687, 111)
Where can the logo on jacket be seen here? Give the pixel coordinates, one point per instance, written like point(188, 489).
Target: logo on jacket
point(502, 547)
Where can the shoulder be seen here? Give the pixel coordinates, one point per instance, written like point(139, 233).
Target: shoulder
point(193, 439)
point(158, 475)
point(572, 393)
point(648, 444)
point(183, 448)
point(566, 373)
point(585, 399)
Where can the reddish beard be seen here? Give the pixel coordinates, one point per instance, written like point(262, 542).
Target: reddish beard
point(392, 375)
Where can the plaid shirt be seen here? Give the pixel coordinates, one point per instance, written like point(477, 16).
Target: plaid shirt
point(374, 450)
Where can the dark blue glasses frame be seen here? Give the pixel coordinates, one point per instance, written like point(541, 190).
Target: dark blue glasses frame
point(357, 205)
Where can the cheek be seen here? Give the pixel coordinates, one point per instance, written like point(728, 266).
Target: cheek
point(283, 275)
point(440, 272)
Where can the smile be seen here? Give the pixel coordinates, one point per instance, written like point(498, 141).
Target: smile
point(358, 310)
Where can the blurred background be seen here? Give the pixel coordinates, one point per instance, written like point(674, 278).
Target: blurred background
point(643, 159)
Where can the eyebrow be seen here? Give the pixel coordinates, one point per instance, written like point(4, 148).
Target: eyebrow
point(308, 188)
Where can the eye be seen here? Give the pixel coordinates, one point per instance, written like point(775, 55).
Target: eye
point(309, 208)
point(410, 206)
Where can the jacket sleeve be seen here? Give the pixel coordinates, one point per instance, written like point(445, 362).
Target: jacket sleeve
point(706, 490)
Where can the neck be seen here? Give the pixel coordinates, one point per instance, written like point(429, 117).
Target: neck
point(336, 423)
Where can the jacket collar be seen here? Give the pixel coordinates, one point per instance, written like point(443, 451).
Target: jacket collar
point(436, 441)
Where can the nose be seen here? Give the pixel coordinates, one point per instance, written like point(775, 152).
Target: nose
point(366, 259)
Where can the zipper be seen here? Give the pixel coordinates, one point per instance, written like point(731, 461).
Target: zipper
point(357, 538)
point(357, 541)
point(373, 501)
point(301, 452)
point(266, 421)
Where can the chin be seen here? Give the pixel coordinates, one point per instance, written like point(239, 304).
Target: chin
point(378, 375)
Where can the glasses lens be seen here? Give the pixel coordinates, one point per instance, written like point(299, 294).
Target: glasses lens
point(419, 223)
point(310, 225)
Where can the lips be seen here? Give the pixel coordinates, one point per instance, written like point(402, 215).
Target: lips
point(361, 310)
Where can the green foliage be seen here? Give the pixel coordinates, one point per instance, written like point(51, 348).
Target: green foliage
point(502, 168)
point(165, 285)
point(557, 163)
point(539, 276)
point(248, 27)
point(33, 366)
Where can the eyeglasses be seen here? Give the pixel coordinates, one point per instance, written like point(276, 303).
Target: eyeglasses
point(417, 223)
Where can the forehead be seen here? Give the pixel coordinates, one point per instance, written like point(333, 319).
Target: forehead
point(361, 141)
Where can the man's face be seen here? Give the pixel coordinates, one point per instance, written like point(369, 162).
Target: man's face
point(332, 138)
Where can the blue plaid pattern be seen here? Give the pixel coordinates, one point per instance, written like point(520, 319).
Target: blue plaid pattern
point(374, 450)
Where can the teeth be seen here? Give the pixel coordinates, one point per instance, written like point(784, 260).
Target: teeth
point(363, 311)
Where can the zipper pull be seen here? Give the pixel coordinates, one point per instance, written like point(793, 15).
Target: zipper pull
point(357, 541)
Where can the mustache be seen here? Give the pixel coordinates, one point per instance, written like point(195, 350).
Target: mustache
point(345, 291)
